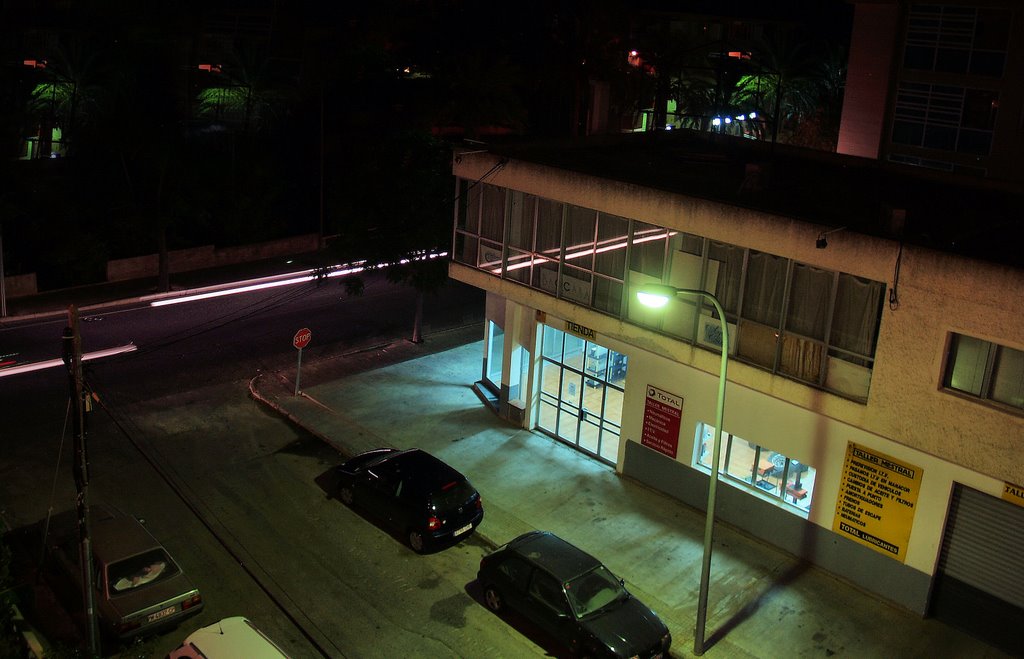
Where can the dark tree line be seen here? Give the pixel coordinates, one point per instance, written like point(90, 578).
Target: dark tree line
point(334, 121)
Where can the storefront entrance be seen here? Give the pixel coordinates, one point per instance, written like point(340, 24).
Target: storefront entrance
point(581, 393)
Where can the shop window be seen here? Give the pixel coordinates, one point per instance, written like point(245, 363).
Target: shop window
point(985, 370)
point(758, 469)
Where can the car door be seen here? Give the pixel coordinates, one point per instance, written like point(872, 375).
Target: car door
point(546, 605)
point(383, 490)
point(512, 577)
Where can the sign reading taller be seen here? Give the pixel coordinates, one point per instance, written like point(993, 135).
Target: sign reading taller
point(877, 500)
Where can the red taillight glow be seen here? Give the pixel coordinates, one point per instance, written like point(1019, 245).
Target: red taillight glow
point(433, 523)
point(192, 601)
point(479, 503)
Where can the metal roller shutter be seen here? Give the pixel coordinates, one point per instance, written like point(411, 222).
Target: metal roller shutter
point(979, 584)
point(982, 544)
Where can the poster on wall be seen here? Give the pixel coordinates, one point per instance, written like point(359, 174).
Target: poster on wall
point(662, 415)
point(877, 500)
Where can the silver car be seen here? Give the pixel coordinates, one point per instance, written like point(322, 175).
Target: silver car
point(139, 588)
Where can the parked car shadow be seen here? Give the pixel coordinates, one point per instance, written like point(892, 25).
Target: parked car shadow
point(552, 647)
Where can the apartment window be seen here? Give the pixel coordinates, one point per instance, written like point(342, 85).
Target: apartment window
point(951, 39)
point(985, 370)
point(945, 117)
point(758, 469)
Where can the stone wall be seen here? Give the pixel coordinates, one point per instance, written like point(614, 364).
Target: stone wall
point(207, 256)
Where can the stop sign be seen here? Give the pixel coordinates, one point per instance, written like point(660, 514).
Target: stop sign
point(301, 338)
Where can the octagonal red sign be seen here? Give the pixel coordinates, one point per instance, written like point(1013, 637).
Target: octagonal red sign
point(302, 338)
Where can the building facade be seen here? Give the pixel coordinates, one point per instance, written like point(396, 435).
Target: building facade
point(874, 409)
point(937, 85)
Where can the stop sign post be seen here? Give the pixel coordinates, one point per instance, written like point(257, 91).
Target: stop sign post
point(300, 341)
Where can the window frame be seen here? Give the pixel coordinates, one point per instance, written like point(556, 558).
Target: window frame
point(994, 354)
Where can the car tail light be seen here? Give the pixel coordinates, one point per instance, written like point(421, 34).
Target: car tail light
point(479, 503)
point(433, 523)
point(192, 601)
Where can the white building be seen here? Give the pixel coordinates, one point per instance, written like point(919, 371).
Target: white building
point(874, 414)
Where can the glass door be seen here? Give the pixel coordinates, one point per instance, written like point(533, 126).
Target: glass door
point(581, 393)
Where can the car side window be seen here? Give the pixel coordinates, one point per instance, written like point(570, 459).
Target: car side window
point(546, 590)
point(517, 571)
point(384, 478)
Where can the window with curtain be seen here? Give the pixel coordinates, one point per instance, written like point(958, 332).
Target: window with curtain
point(765, 288)
point(612, 236)
point(520, 221)
point(469, 207)
point(492, 212)
point(855, 319)
point(810, 295)
point(647, 254)
point(580, 232)
point(985, 370)
point(730, 273)
point(549, 228)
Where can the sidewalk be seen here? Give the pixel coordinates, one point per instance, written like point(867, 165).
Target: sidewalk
point(762, 602)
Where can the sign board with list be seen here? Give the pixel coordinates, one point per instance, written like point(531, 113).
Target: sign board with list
point(662, 415)
point(877, 501)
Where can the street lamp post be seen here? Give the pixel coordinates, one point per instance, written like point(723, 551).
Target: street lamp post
point(658, 295)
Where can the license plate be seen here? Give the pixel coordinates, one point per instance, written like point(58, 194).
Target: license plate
point(161, 614)
point(465, 529)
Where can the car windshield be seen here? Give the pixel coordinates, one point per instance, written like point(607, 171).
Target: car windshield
point(137, 571)
point(593, 591)
point(452, 495)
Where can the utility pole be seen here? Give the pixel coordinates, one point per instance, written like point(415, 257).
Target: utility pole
point(72, 344)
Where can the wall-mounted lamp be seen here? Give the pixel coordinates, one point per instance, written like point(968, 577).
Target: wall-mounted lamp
point(822, 241)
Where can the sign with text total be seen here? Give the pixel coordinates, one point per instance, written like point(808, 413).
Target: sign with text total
point(663, 413)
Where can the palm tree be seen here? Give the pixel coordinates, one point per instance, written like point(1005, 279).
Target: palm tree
point(252, 93)
point(794, 85)
point(71, 93)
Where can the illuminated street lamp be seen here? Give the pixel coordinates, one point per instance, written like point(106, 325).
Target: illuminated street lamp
point(657, 296)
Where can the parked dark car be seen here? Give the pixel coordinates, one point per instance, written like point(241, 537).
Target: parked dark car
point(569, 594)
point(427, 501)
point(139, 588)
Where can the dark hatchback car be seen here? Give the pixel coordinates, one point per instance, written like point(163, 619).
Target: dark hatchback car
point(569, 594)
point(140, 589)
point(417, 495)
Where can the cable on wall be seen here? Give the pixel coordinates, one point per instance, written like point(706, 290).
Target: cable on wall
point(894, 298)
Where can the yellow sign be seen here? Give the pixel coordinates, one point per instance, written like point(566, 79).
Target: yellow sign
point(1014, 494)
point(877, 499)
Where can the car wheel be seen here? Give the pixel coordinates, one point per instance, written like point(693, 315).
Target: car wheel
point(492, 598)
point(345, 494)
point(416, 541)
